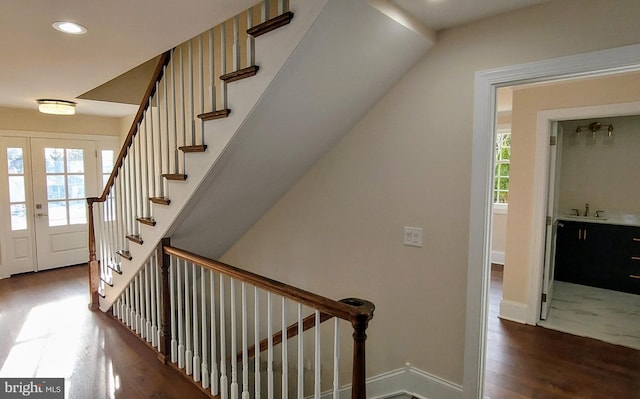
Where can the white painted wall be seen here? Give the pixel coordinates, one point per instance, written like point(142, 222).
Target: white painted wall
point(338, 231)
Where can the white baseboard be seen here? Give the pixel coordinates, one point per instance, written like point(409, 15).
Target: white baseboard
point(514, 311)
point(405, 383)
point(497, 257)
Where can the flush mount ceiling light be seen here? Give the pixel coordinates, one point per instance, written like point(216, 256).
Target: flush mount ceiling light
point(56, 107)
point(69, 27)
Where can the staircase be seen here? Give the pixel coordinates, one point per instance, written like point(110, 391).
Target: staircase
point(231, 119)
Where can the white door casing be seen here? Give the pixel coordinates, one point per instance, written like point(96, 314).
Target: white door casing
point(553, 172)
point(616, 60)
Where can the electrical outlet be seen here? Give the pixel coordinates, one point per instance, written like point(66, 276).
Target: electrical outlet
point(413, 236)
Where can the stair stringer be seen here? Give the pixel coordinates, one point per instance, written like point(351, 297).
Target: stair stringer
point(345, 63)
point(272, 52)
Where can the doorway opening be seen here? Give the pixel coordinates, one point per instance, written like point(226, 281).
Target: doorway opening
point(594, 64)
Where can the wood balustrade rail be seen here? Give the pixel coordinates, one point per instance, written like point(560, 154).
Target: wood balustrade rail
point(351, 309)
point(151, 88)
point(357, 311)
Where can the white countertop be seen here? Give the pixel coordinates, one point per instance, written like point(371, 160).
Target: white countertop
point(623, 219)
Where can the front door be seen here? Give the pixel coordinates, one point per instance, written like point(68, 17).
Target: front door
point(49, 181)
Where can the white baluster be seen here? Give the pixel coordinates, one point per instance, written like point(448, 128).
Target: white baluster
point(147, 301)
point(175, 109)
point(183, 102)
point(212, 70)
point(285, 358)
point(138, 308)
point(127, 315)
point(191, 97)
point(234, 346)
point(256, 343)
point(245, 359)
point(236, 43)
point(172, 299)
point(270, 386)
point(201, 85)
point(336, 359)
point(223, 63)
point(179, 291)
point(316, 367)
point(224, 383)
point(203, 306)
point(154, 303)
point(158, 324)
point(265, 10)
point(300, 354)
point(196, 331)
point(280, 7)
point(215, 382)
point(187, 310)
point(250, 40)
point(152, 161)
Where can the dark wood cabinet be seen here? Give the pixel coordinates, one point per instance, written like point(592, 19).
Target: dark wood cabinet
point(599, 255)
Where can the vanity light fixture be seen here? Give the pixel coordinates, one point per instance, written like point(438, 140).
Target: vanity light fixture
point(56, 107)
point(69, 27)
point(594, 127)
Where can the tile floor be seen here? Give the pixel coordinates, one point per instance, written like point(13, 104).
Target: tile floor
point(606, 315)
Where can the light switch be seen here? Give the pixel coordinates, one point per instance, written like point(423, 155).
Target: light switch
point(413, 236)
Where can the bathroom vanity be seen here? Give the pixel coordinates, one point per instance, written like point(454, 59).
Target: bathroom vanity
point(599, 252)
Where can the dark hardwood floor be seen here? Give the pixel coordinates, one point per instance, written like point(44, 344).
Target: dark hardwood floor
point(46, 330)
point(533, 362)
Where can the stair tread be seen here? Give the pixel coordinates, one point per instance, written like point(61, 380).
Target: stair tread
point(219, 114)
point(147, 221)
point(107, 282)
point(174, 176)
point(240, 74)
point(160, 200)
point(135, 238)
point(272, 24)
point(193, 148)
point(115, 267)
point(125, 254)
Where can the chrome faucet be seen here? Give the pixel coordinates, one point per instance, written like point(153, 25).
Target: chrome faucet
point(586, 209)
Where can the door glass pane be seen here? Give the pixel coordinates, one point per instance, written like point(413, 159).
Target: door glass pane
point(57, 213)
point(15, 161)
point(76, 186)
point(77, 212)
point(54, 160)
point(18, 217)
point(56, 187)
point(75, 161)
point(16, 188)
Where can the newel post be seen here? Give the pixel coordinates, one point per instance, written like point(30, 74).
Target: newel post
point(360, 323)
point(165, 322)
point(94, 267)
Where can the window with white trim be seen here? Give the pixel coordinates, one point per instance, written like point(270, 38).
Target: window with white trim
point(501, 172)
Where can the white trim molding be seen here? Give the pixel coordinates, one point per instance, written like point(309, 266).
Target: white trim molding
point(598, 63)
point(497, 257)
point(514, 311)
point(405, 382)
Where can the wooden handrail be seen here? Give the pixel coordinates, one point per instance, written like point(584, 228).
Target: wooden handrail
point(292, 331)
point(351, 309)
point(151, 89)
point(359, 312)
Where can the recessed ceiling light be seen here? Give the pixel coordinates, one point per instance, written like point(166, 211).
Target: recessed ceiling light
point(56, 107)
point(69, 27)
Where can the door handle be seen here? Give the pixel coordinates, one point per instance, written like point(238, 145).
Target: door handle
point(42, 214)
